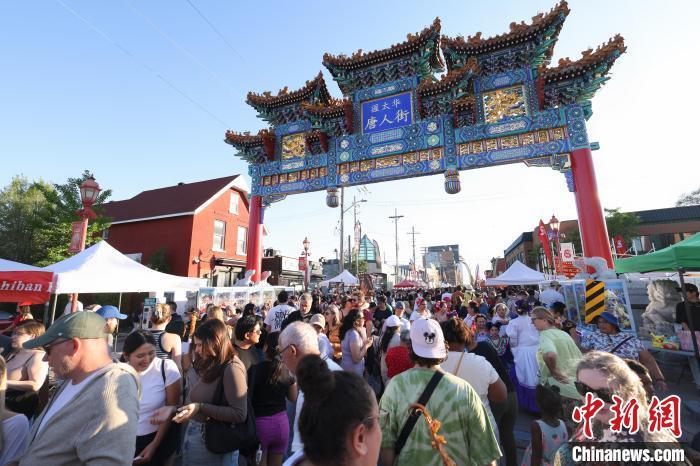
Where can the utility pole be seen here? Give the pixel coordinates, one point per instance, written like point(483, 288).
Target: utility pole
point(413, 233)
point(341, 264)
point(349, 254)
point(357, 258)
point(396, 218)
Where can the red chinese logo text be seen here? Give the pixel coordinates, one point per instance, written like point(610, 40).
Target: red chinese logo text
point(665, 414)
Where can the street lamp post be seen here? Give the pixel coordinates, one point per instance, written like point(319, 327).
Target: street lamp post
point(89, 190)
point(307, 269)
point(554, 225)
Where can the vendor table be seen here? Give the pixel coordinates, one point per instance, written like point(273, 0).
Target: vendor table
point(689, 355)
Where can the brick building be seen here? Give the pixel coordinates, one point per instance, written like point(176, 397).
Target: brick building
point(657, 229)
point(520, 250)
point(191, 229)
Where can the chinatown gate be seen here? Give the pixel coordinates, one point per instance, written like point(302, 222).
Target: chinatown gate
point(499, 102)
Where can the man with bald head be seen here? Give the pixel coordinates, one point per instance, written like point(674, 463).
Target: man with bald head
point(92, 417)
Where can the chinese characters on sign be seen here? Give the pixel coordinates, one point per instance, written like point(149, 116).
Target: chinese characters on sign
point(387, 113)
point(663, 414)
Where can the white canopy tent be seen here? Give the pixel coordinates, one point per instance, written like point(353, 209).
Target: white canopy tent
point(517, 274)
point(12, 266)
point(345, 277)
point(102, 269)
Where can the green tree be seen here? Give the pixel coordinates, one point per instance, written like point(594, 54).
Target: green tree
point(361, 267)
point(159, 260)
point(63, 206)
point(621, 223)
point(689, 199)
point(23, 208)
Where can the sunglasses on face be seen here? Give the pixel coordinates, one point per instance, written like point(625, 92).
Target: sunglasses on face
point(48, 348)
point(604, 394)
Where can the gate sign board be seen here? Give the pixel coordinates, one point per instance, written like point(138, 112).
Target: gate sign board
point(498, 101)
point(387, 113)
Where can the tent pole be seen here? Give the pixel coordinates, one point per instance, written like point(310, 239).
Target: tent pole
point(689, 314)
point(119, 306)
point(47, 306)
point(53, 310)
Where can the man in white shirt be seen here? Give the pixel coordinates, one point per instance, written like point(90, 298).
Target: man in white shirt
point(276, 315)
point(297, 340)
point(552, 295)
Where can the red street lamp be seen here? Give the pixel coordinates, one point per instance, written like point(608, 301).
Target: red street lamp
point(554, 225)
point(89, 190)
point(307, 269)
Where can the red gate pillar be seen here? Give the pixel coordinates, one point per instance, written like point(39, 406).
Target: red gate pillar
point(254, 246)
point(591, 221)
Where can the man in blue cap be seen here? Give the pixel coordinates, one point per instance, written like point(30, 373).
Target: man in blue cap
point(112, 315)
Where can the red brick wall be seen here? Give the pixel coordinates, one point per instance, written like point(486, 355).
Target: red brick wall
point(203, 232)
point(173, 233)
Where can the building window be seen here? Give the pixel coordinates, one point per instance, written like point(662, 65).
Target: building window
point(233, 203)
point(105, 234)
point(219, 235)
point(242, 238)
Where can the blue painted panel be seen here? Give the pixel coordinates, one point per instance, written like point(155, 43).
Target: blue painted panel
point(294, 127)
point(387, 113)
point(515, 154)
point(386, 88)
point(541, 120)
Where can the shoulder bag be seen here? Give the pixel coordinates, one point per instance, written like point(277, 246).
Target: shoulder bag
point(223, 437)
point(617, 347)
point(413, 417)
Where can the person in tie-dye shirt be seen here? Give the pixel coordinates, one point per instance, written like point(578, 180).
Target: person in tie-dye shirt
point(464, 421)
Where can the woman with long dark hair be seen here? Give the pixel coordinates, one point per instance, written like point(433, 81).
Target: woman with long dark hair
point(332, 315)
point(215, 362)
point(390, 338)
point(339, 420)
point(160, 388)
point(353, 342)
point(272, 385)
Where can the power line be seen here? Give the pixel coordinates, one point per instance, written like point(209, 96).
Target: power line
point(201, 15)
point(141, 63)
point(182, 49)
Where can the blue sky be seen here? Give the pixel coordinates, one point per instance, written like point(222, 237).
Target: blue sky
point(141, 94)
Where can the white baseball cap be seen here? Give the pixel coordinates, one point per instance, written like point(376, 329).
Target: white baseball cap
point(427, 339)
point(392, 321)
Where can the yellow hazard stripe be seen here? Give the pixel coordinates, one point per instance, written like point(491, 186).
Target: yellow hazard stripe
point(595, 300)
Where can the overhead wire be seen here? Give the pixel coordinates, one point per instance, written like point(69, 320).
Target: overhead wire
point(143, 64)
point(179, 47)
point(213, 28)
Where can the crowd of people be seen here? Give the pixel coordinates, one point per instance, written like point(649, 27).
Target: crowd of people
point(423, 377)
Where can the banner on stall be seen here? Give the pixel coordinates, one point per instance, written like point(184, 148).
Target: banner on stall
point(31, 287)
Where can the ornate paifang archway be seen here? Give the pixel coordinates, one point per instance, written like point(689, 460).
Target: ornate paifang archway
point(499, 103)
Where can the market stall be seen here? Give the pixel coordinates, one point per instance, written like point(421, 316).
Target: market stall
point(681, 257)
point(345, 278)
point(102, 269)
point(22, 283)
point(517, 274)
